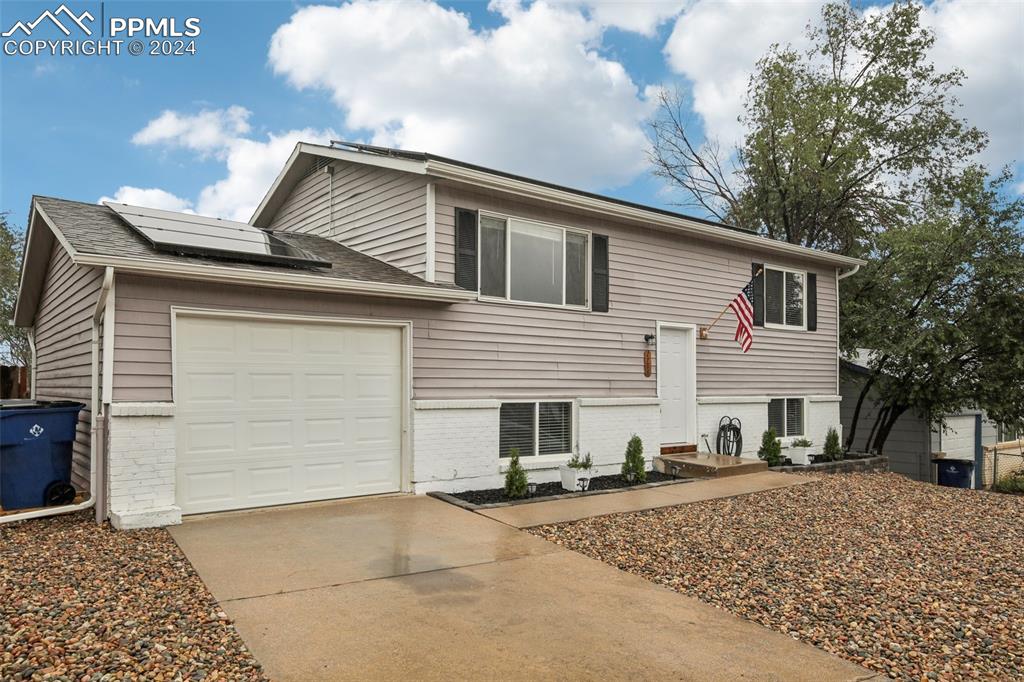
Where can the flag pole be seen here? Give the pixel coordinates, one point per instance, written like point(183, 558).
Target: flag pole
point(706, 331)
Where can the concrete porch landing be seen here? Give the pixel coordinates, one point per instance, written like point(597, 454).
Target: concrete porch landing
point(706, 465)
point(575, 508)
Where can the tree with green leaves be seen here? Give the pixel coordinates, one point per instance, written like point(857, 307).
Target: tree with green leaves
point(634, 468)
point(841, 139)
point(516, 480)
point(854, 145)
point(14, 348)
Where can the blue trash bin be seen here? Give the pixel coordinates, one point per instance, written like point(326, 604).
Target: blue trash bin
point(954, 473)
point(36, 443)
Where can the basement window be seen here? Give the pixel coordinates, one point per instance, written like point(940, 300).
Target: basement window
point(786, 416)
point(535, 428)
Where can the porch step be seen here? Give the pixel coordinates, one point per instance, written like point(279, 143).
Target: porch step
point(677, 448)
point(704, 465)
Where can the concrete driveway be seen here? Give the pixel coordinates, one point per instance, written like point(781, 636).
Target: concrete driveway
point(413, 588)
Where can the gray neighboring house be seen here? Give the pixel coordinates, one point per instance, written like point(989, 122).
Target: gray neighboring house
point(915, 438)
point(446, 314)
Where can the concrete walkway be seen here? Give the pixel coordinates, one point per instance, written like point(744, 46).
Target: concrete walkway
point(575, 508)
point(415, 588)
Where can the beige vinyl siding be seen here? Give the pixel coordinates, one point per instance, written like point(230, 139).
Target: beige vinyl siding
point(63, 336)
point(658, 275)
point(377, 211)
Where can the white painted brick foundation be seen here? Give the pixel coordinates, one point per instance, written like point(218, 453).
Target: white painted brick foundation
point(140, 466)
point(822, 411)
point(455, 442)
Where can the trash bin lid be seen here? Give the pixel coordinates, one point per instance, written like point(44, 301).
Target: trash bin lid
point(28, 404)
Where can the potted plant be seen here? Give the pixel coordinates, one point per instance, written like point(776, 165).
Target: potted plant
point(577, 472)
point(799, 451)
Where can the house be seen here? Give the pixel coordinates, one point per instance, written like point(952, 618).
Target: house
point(915, 438)
point(396, 321)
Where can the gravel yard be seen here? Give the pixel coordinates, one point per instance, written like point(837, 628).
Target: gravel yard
point(80, 601)
point(908, 579)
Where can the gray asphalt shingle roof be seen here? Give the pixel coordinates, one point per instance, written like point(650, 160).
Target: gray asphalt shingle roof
point(97, 229)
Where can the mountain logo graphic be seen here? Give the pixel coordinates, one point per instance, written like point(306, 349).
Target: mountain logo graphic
point(78, 20)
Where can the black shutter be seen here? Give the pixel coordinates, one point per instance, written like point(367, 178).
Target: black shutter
point(757, 271)
point(812, 302)
point(599, 275)
point(465, 248)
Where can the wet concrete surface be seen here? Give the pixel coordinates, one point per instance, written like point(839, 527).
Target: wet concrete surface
point(415, 588)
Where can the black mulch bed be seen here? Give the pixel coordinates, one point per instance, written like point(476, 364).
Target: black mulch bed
point(612, 482)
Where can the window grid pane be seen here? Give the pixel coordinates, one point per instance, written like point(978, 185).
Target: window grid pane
point(537, 262)
point(555, 424)
point(773, 296)
point(575, 268)
point(492, 257)
point(516, 429)
point(795, 298)
point(794, 416)
point(777, 416)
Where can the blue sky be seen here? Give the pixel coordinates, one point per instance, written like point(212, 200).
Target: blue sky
point(554, 91)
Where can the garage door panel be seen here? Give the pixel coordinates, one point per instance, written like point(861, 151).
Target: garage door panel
point(295, 412)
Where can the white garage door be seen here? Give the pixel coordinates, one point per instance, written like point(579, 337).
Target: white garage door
point(272, 412)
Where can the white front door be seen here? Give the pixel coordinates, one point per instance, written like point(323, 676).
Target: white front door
point(278, 411)
point(676, 384)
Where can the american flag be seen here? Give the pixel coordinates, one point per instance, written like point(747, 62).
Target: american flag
point(743, 306)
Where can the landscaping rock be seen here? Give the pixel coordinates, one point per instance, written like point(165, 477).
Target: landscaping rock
point(81, 601)
point(907, 579)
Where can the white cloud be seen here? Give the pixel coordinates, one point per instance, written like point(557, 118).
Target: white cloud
point(251, 164)
point(209, 131)
point(637, 16)
point(531, 96)
point(150, 198)
point(985, 40)
point(716, 43)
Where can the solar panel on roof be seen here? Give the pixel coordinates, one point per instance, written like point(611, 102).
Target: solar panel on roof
point(200, 236)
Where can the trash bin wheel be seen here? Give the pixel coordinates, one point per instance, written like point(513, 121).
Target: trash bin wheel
point(58, 493)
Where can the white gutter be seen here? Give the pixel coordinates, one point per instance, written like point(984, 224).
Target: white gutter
point(268, 278)
point(30, 333)
point(101, 303)
point(844, 275)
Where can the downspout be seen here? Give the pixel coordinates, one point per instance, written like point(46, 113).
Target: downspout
point(31, 335)
point(101, 303)
point(844, 275)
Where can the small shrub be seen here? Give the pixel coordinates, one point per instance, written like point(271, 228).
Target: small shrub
point(634, 463)
point(581, 463)
point(515, 477)
point(771, 449)
point(1010, 483)
point(833, 451)
point(801, 443)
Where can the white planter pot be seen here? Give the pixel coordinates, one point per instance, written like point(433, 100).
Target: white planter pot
point(575, 480)
point(798, 455)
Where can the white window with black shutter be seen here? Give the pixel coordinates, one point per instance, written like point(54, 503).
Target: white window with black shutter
point(785, 298)
point(536, 428)
point(522, 261)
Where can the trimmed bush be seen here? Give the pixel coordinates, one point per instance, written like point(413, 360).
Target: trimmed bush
point(833, 451)
point(515, 477)
point(583, 463)
point(634, 463)
point(771, 449)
